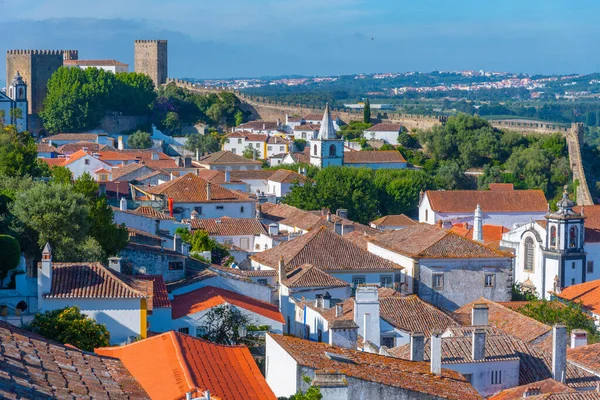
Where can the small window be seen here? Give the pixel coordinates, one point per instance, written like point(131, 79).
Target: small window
point(437, 281)
point(219, 207)
point(358, 280)
point(386, 281)
point(590, 267)
point(469, 378)
point(269, 148)
point(319, 335)
point(315, 150)
point(198, 210)
point(496, 377)
point(233, 150)
point(239, 141)
point(573, 265)
point(529, 250)
point(426, 215)
point(281, 148)
point(553, 236)
point(242, 209)
point(175, 265)
point(572, 281)
point(490, 280)
point(573, 237)
point(185, 330)
point(387, 341)
point(228, 241)
point(332, 150)
point(262, 281)
point(86, 161)
point(257, 246)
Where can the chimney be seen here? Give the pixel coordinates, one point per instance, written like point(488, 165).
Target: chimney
point(480, 314)
point(327, 301)
point(123, 204)
point(328, 216)
point(436, 353)
point(367, 328)
point(339, 310)
point(366, 301)
point(343, 334)
point(478, 225)
point(319, 300)
point(177, 243)
point(197, 154)
point(207, 190)
point(578, 338)
point(264, 126)
point(281, 270)
point(154, 156)
point(417, 346)
point(478, 345)
point(227, 176)
point(440, 223)
point(532, 391)
point(114, 263)
point(559, 352)
point(194, 214)
point(342, 213)
point(273, 229)
point(120, 145)
point(44, 277)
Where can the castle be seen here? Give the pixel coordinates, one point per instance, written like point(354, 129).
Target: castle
point(150, 58)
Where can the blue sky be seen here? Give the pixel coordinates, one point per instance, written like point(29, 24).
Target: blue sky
point(227, 38)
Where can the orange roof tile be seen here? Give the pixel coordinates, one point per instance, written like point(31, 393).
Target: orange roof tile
point(108, 155)
point(545, 386)
point(592, 222)
point(287, 176)
point(75, 156)
point(160, 296)
point(394, 220)
point(384, 127)
point(587, 294)
point(371, 157)
point(490, 233)
point(586, 356)
point(209, 296)
point(228, 226)
point(465, 201)
point(310, 276)
point(224, 158)
point(54, 161)
point(170, 364)
point(193, 189)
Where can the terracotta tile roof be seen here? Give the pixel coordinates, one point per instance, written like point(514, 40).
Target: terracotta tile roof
point(277, 140)
point(35, 367)
point(193, 189)
point(245, 274)
point(150, 212)
point(307, 127)
point(228, 226)
point(385, 127)
point(92, 137)
point(457, 349)
point(144, 154)
point(45, 148)
point(592, 222)
point(214, 176)
point(73, 147)
point(544, 387)
point(412, 314)
point(409, 375)
point(465, 201)
point(192, 276)
point(309, 276)
point(118, 172)
point(53, 161)
point(88, 281)
point(501, 186)
point(75, 156)
point(509, 321)
point(490, 233)
point(93, 63)
point(256, 174)
point(160, 164)
point(301, 157)
point(586, 356)
point(160, 296)
point(430, 241)
point(249, 136)
point(360, 239)
point(170, 364)
point(325, 250)
point(225, 158)
point(209, 296)
point(394, 220)
point(109, 155)
point(587, 294)
point(567, 396)
point(258, 125)
point(375, 156)
point(287, 176)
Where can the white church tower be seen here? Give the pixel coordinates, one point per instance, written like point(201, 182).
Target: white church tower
point(327, 149)
point(17, 91)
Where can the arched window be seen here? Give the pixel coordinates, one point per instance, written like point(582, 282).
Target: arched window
point(332, 150)
point(315, 150)
point(529, 254)
point(573, 237)
point(553, 236)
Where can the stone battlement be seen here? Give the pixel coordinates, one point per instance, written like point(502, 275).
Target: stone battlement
point(41, 52)
point(161, 41)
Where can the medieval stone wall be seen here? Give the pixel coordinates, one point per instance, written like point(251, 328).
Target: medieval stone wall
point(150, 58)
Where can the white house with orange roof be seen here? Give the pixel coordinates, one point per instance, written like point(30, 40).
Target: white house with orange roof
point(82, 161)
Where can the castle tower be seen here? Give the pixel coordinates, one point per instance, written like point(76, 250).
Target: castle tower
point(35, 68)
point(327, 149)
point(150, 58)
point(564, 253)
point(17, 91)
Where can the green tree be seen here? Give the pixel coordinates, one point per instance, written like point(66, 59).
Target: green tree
point(70, 326)
point(221, 324)
point(203, 144)
point(398, 190)
point(140, 140)
point(18, 153)
point(250, 152)
point(10, 256)
point(450, 176)
point(61, 175)
point(172, 122)
point(367, 112)
point(239, 117)
point(312, 393)
point(200, 241)
point(57, 214)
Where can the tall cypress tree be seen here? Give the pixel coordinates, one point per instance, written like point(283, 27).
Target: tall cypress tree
point(367, 112)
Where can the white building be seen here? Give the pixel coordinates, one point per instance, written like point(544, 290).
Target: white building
point(13, 104)
point(501, 205)
point(81, 162)
point(550, 252)
point(384, 131)
point(227, 161)
point(326, 149)
point(113, 66)
point(262, 127)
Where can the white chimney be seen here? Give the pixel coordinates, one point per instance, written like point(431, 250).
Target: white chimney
point(417, 346)
point(436, 353)
point(478, 225)
point(367, 328)
point(114, 263)
point(177, 243)
point(120, 145)
point(123, 204)
point(480, 314)
point(227, 176)
point(478, 344)
point(44, 278)
point(328, 216)
point(366, 301)
point(327, 300)
point(208, 191)
point(273, 229)
point(339, 310)
point(578, 338)
point(559, 352)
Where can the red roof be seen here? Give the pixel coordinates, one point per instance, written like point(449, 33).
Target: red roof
point(193, 189)
point(592, 222)
point(465, 201)
point(209, 296)
point(228, 226)
point(170, 364)
point(384, 127)
point(587, 294)
point(53, 161)
point(491, 233)
point(108, 155)
point(160, 296)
